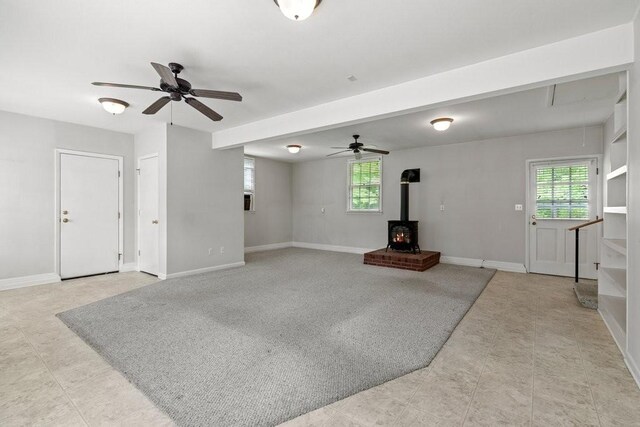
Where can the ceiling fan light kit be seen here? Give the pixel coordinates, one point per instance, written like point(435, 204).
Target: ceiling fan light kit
point(294, 148)
point(297, 10)
point(113, 106)
point(176, 89)
point(442, 123)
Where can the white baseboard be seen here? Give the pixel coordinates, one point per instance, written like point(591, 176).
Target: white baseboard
point(474, 262)
point(348, 249)
point(633, 368)
point(24, 281)
point(268, 247)
point(129, 266)
point(200, 270)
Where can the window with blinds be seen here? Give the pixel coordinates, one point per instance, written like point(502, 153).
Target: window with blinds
point(562, 191)
point(249, 183)
point(365, 185)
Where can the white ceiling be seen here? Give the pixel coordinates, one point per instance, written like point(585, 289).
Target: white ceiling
point(581, 103)
point(52, 50)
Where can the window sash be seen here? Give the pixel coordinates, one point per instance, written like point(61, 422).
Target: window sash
point(365, 185)
point(249, 175)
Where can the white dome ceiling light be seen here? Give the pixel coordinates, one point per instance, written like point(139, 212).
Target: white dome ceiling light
point(297, 10)
point(113, 106)
point(294, 148)
point(442, 123)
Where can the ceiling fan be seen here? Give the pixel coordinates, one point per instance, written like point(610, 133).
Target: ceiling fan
point(357, 148)
point(177, 89)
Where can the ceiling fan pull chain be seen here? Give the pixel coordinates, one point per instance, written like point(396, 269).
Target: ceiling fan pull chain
point(171, 106)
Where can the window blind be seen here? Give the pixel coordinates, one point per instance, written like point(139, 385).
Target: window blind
point(562, 192)
point(249, 175)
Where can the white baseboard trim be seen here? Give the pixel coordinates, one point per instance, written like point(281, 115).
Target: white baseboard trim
point(268, 247)
point(24, 281)
point(200, 270)
point(129, 266)
point(633, 368)
point(348, 249)
point(474, 262)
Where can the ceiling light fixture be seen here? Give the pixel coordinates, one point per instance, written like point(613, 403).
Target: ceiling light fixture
point(294, 148)
point(113, 106)
point(297, 10)
point(442, 123)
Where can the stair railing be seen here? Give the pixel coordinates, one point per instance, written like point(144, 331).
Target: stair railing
point(577, 230)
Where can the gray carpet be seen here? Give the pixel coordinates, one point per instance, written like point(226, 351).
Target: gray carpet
point(292, 331)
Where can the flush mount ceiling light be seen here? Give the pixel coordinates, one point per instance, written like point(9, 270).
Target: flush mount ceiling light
point(297, 10)
point(294, 148)
point(442, 123)
point(112, 105)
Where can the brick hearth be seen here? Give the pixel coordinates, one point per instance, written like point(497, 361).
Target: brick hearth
point(403, 260)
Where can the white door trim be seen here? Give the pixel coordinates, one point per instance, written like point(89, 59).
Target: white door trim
point(120, 159)
point(597, 157)
point(145, 157)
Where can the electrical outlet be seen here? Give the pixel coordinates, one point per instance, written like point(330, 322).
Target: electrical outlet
point(441, 207)
point(210, 251)
point(221, 249)
point(518, 207)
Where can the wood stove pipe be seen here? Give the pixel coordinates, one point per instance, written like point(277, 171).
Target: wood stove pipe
point(407, 177)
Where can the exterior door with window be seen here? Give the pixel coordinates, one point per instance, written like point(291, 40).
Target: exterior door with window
point(562, 195)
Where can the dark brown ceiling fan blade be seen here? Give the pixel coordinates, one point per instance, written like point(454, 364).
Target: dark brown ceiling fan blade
point(373, 150)
point(156, 106)
point(339, 152)
point(203, 109)
point(217, 94)
point(165, 74)
point(340, 148)
point(125, 86)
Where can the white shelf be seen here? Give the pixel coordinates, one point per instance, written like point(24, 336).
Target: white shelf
point(614, 312)
point(618, 278)
point(618, 245)
point(622, 170)
point(616, 210)
point(620, 135)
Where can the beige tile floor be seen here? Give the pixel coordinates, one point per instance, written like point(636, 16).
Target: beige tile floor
point(525, 354)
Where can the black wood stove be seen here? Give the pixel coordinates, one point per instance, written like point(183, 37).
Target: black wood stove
point(403, 234)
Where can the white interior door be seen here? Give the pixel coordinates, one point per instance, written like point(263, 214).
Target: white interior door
point(148, 215)
point(562, 194)
point(89, 227)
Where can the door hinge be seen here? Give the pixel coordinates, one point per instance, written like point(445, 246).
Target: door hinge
point(138, 252)
point(118, 174)
point(119, 257)
point(138, 170)
point(597, 171)
point(118, 215)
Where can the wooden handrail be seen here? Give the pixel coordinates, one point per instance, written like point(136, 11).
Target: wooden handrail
point(586, 224)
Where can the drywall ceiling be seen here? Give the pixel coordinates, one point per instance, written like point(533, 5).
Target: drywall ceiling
point(52, 50)
point(585, 102)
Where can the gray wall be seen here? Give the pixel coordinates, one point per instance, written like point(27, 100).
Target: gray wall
point(154, 141)
point(27, 188)
point(271, 221)
point(204, 202)
point(478, 182)
point(633, 224)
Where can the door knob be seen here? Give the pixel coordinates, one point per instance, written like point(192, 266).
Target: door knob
point(533, 223)
point(65, 220)
point(155, 221)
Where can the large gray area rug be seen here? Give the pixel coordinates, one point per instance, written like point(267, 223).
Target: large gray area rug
point(292, 331)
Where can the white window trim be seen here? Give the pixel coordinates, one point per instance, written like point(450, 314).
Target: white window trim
point(363, 160)
point(252, 208)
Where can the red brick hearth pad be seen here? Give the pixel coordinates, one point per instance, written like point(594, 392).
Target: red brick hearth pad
point(404, 260)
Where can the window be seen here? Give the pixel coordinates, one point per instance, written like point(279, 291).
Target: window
point(562, 191)
point(365, 185)
point(249, 183)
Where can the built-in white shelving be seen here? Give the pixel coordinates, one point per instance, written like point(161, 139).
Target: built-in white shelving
point(612, 275)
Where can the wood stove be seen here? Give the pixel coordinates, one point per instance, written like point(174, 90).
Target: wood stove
point(403, 234)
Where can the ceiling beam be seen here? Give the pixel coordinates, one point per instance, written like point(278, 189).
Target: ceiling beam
point(584, 56)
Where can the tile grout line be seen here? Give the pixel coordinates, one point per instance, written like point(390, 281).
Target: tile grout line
point(52, 375)
point(584, 371)
point(484, 364)
point(533, 362)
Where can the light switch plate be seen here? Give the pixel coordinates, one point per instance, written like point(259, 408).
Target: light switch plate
point(518, 207)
